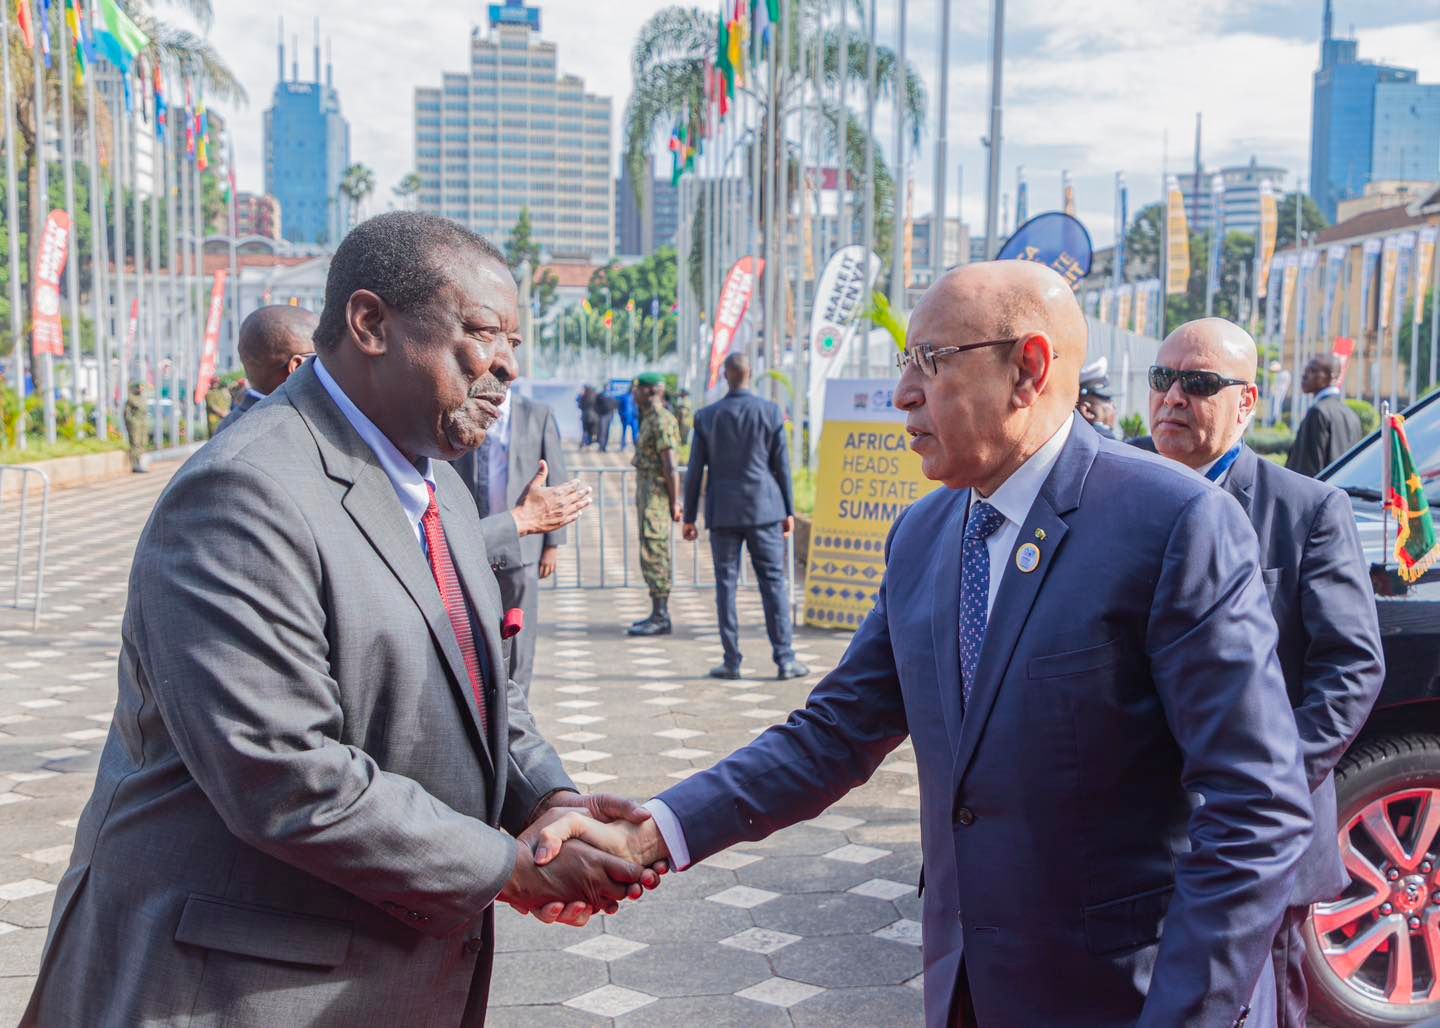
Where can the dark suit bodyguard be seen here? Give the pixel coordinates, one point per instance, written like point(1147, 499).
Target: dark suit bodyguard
point(740, 440)
point(1329, 427)
point(1076, 638)
point(1202, 397)
point(304, 808)
point(274, 342)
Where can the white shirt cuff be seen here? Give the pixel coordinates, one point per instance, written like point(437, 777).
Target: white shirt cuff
point(671, 832)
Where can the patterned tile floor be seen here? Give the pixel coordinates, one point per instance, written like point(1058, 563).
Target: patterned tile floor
point(817, 925)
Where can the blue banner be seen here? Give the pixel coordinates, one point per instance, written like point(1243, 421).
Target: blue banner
point(1056, 240)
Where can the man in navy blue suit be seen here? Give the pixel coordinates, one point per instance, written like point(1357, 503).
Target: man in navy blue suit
point(741, 440)
point(1202, 396)
point(1076, 638)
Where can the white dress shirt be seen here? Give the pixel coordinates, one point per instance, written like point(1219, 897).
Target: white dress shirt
point(411, 482)
point(1013, 499)
point(497, 470)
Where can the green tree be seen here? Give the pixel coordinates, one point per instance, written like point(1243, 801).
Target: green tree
point(406, 190)
point(668, 70)
point(521, 247)
point(357, 182)
point(1312, 220)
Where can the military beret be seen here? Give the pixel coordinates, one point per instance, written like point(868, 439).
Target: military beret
point(649, 378)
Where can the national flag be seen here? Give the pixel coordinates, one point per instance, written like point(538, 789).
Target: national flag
point(45, 30)
point(609, 319)
point(723, 64)
point(119, 39)
point(630, 306)
point(1416, 548)
point(585, 304)
point(189, 122)
point(162, 108)
point(739, 24)
point(767, 13)
point(27, 30)
point(229, 171)
point(73, 19)
point(202, 137)
point(678, 148)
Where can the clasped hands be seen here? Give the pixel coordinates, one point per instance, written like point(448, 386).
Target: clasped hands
point(583, 855)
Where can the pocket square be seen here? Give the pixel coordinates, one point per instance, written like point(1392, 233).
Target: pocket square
point(513, 624)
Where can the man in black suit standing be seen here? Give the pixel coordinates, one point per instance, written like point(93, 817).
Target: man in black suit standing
point(741, 439)
point(274, 341)
point(1202, 395)
point(1330, 427)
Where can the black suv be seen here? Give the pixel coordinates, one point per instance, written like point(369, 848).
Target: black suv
point(1374, 955)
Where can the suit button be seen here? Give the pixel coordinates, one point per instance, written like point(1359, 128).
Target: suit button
point(474, 945)
point(964, 817)
point(413, 915)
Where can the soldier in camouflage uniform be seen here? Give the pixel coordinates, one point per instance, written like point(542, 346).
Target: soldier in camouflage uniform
point(684, 413)
point(657, 498)
point(137, 425)
point(217, 404)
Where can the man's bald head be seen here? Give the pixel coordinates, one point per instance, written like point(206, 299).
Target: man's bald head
point(988, 409)
point(274, 342)
point(737, 371)
point(1194, 429)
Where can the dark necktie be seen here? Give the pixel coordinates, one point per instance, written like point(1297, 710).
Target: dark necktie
point(975, 589)
point(453, 597)
point(482, 479)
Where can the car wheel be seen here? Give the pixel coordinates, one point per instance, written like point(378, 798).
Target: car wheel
point(1373, 956)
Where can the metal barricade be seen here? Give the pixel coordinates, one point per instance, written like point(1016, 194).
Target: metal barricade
point(615, 487)
point(27, 476)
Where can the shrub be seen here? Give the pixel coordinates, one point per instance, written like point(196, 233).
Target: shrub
point(1369, 416)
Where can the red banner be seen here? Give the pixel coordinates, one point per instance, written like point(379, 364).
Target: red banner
point(211, 352)
point(734, 302)
point(49, 335)
point(1344, 348)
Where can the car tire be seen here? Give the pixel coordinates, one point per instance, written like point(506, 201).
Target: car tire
point(1389, 780)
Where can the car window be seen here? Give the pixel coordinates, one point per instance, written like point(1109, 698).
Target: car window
point(1363, 469)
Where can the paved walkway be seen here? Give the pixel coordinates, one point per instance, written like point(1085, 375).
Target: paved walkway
point(815, 926)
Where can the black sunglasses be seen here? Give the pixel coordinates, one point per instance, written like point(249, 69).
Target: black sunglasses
point(1192, 383)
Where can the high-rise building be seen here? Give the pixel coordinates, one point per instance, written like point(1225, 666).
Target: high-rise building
point(643, 226)
point(1240, 207)
point(1366, 114)
point(257, 214)
point(307, 149)
point(512, 133)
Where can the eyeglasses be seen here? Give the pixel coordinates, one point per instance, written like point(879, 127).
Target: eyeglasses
point(1192, 383)
point(927, 356)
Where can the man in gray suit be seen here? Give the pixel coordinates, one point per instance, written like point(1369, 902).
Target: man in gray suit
point(1318, 582)
point(307, 801)
point(274, 342)
point(1112, 804)
point(741, 440)
point(523, 519)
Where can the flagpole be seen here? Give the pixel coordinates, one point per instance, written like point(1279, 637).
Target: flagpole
point(99, 262)
point(897, 255)
point(183, 238)
point(942, 158)
point(40, 205)
point(772, 136)
point(137, 225)
point(12, 224)
point(234, 243)
point(72, 272)
point(157, 320)
point(175, 289)
point(997, 68)
point(122, 309)
point(1434, 311)
point(845, 227)
point(868, 226)
point(197, 222)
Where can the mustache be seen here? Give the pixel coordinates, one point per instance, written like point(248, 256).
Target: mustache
point(487, 385)
point(1172, 414)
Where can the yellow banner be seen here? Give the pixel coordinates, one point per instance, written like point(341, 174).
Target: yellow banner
point(868, 476)
point(1389, 262)
point(1269, 225)
point(1142, 307)
point(1424, 264)
point(1123, 302)
point(1177, 243)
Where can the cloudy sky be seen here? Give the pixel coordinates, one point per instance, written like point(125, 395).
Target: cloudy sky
point(1094, 88)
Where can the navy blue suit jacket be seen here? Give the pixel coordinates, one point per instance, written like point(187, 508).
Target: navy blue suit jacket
point(1111, 828)
point(741, 439)
point(1318, 579)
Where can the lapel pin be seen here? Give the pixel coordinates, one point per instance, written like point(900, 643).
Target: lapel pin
point(1040, 534)
point(1027, 558)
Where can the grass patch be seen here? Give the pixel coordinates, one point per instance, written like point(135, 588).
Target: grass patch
point(38, 450)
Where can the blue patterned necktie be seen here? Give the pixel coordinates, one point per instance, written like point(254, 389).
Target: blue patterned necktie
point(975, 589)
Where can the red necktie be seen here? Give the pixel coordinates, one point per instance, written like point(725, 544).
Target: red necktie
point(454, 599)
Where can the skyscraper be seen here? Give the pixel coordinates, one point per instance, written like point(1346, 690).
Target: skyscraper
point(512, 132)
point(307, 149)
point(1240, 210)
point(1362, 112)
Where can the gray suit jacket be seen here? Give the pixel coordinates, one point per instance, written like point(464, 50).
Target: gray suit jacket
point(296, 819)
point(740, 438)
point(534, 436)
point(239, 407)
point(1319, 584)
point(1328, 429)
point(1111, 824)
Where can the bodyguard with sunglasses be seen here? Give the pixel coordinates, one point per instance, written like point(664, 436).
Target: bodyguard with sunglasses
point(1202, 396)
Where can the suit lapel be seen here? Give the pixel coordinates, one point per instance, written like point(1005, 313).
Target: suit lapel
point(945, 622)
point(1059, 496)
point(373, 506)
point(1240, 482)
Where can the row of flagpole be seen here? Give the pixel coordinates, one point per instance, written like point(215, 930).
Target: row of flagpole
point(170, 323)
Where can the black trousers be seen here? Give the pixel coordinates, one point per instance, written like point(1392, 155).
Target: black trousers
point(767, 556)
point(1288, 956)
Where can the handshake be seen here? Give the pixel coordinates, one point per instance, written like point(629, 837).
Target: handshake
point(583, 855)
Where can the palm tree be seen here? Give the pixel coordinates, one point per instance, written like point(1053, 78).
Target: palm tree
point(406, 190)
point(668, 66)
point(356, 184)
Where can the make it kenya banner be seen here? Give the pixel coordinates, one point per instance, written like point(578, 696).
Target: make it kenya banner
point(49, 335)
point(868, 476)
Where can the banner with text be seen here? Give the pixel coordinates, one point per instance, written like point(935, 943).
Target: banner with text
point(211, 353)
point(868, 476)
point(734, 302)
point(1177, 241)
point(49, 335)
point(832, 322)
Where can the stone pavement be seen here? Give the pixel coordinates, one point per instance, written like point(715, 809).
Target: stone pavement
point(817, 925)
